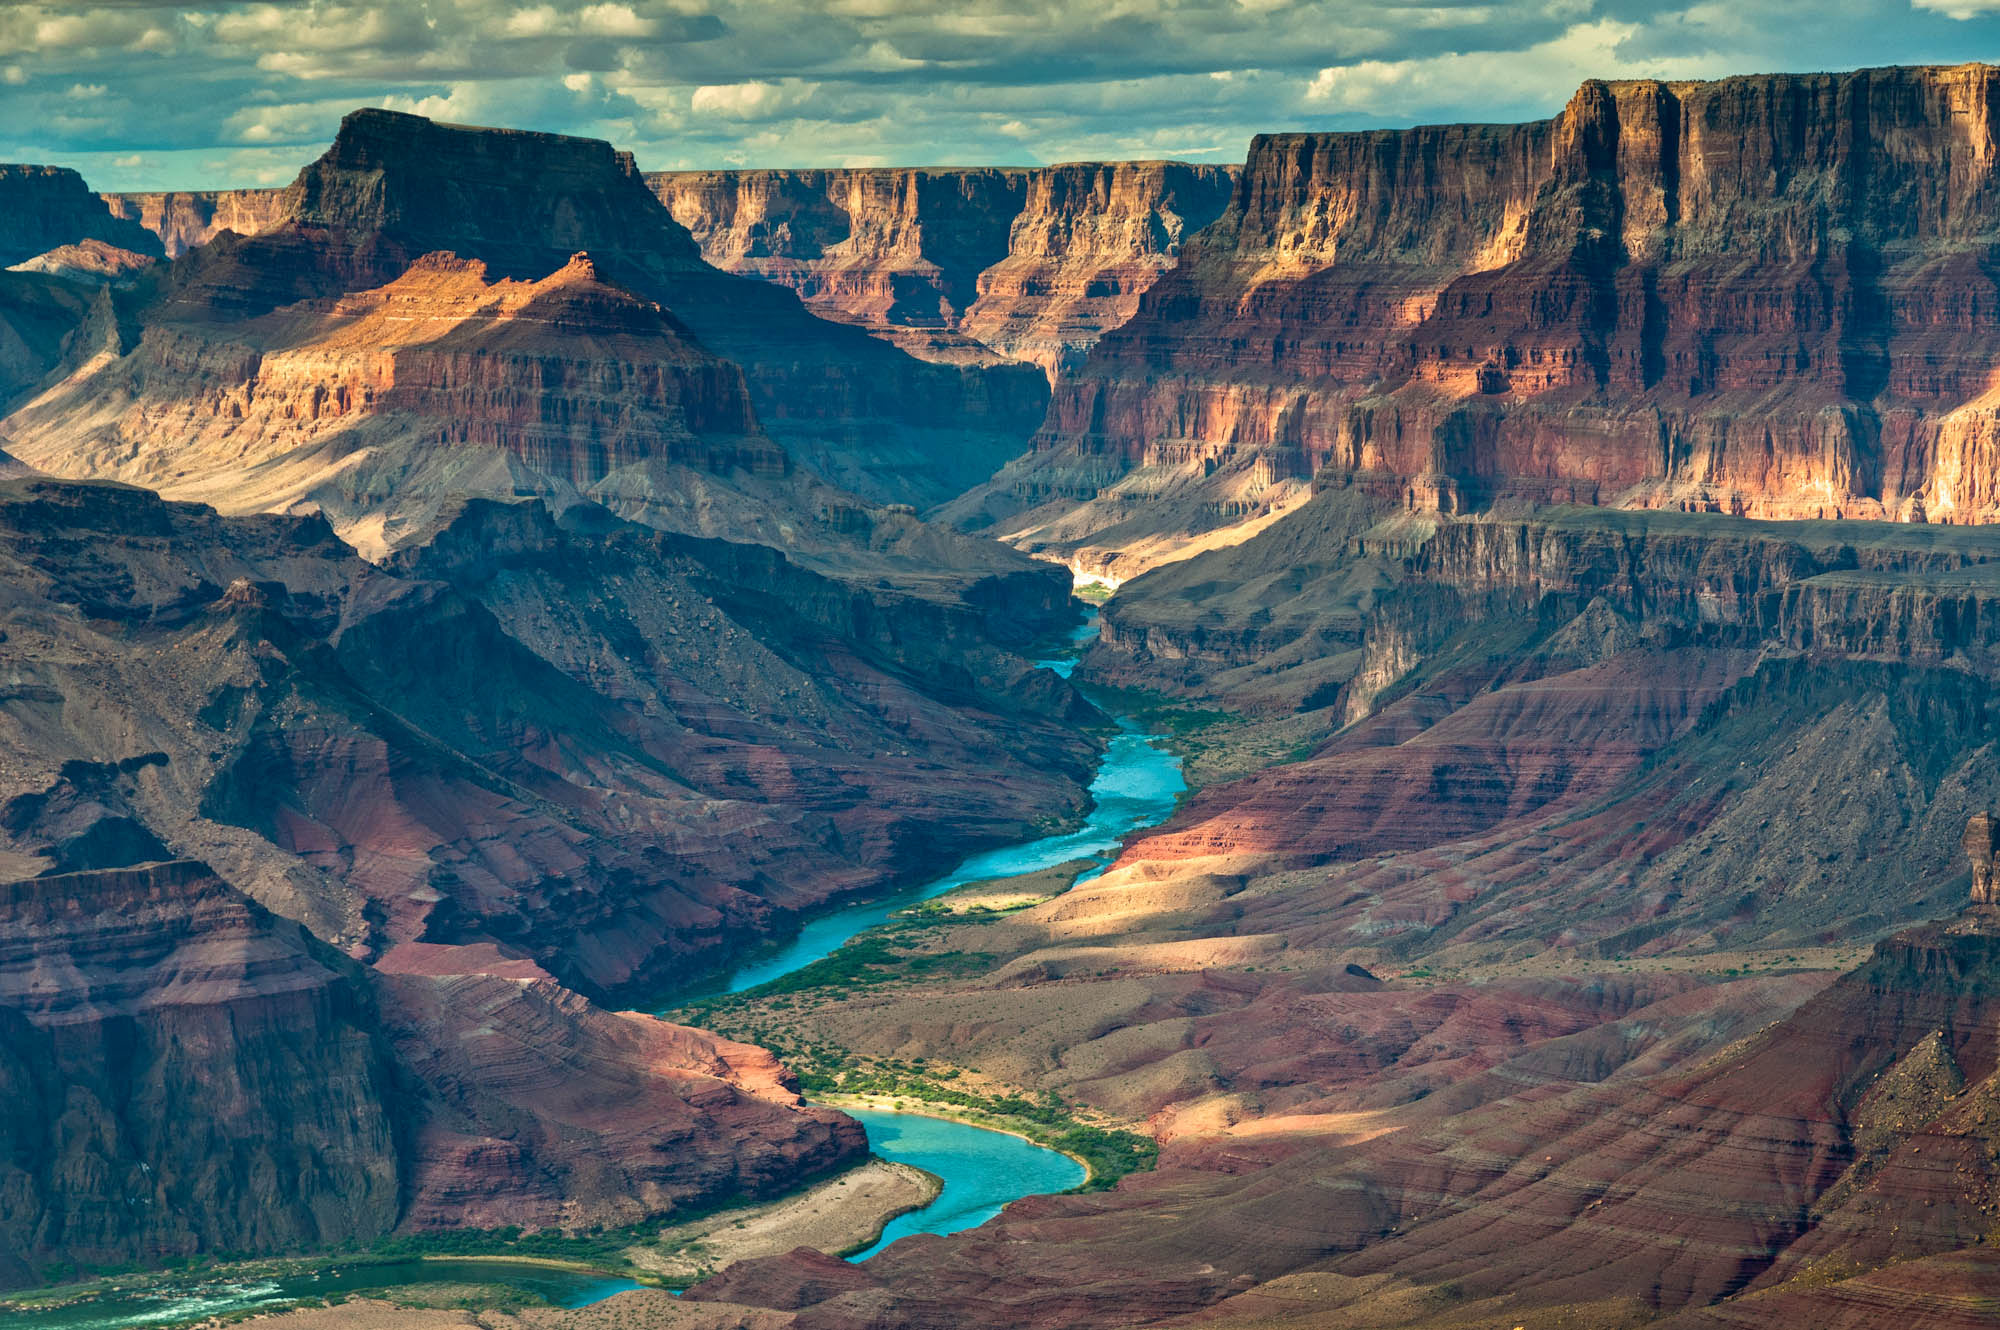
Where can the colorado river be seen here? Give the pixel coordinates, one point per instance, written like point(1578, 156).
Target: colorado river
point(982, 1170)
point(1136, 785)
point(196, 1299)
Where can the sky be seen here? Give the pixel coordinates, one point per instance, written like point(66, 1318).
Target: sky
point(142, 95)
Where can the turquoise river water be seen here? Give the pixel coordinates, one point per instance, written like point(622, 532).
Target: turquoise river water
point(1137, 785)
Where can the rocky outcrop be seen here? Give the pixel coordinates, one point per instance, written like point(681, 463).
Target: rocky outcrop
point(396, 188)
point(43, 207)
point(543, 1110)
point(618, 752)
point(1981, 839)
point(1573, 310)
point(393, 188)
point(185, 220)
point(1034, 263)
point(185, 1073)
point(89, 261)
point(189, 1075)
point(378, 405)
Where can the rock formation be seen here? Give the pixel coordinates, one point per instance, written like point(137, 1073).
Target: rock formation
point(1571, 310)
point(42, 207)
point(395, 188)
point(1035, 263)
point(1981, 839)
point(185, 220)
point(188, 1074)
point(619, 752)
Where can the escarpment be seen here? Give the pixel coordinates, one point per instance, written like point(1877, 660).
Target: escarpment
point(188, 1074)
point(1034, 263)
point(188, 219)
point(1758, 296)
point(43, 207)
point(395, 188)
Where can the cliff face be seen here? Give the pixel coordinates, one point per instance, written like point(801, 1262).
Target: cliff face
point(42, 207)
point(357, 403)
point(189, 1075)
point(1034, 263)
point(395, 188)
point(184, 220)
point(1758, 296)
point(150, 1013)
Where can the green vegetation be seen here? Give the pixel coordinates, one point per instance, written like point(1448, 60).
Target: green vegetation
point(873, 958)
point(599, 1248)
point(826, 1069)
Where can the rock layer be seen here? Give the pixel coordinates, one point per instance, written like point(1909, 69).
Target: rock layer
point(188, 219)
point(188, 1075)
point(1759, 296)
point(1034, 263)
point(395, 188)
point(42, 207)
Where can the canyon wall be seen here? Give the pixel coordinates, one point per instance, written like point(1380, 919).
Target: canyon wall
point(185, 219)
point(189, 1074)
point(394, 188)
point(1034, 263)
point(42, 207)
point(1769, 296)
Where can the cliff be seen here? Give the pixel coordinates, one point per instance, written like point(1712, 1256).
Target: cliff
point(185, 220)
point(189, 1075)
point(394, 188)
point(150, 1014)
point(42, 207)
point(1034, 263)
point(1758, 296)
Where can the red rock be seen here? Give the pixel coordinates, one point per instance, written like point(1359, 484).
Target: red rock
point(190, 1075)
point(797, 1279)
point(1747, 296)
point(1035, 263)
point(185, 220)
point(543, 1110)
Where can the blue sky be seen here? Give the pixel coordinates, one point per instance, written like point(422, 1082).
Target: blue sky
point(140, 95)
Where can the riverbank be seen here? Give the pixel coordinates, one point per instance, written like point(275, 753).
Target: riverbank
point(838, 1216)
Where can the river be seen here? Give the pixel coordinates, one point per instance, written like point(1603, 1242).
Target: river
point(1137, 784)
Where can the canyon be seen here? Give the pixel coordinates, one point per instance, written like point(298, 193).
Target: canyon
point(482, 587)
point(1031, 264)
point(1764, 296)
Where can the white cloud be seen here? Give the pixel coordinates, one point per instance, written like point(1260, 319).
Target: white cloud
point(1407, 87)
point(1958, 9)
point(751, 101)
point(614, 21)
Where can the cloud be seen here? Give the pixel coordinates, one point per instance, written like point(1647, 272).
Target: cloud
point(1959, 9)
point(258, 86)
point(751, 101)
point(1413, 87)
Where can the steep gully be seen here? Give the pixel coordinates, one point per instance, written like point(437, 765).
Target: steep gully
point(1137, 785)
